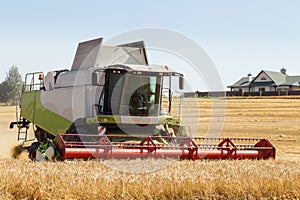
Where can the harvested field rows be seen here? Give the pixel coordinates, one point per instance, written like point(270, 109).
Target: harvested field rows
point(276, 119)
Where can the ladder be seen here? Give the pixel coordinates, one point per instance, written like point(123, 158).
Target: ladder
point(21, 123)
point(22, 129)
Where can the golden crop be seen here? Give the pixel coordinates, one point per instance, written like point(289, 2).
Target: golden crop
point(221, 179)
point(276, 119)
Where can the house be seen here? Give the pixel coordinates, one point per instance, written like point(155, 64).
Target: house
point(267, 81)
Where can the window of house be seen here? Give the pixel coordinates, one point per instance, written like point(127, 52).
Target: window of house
point(263, 78)
point(262, 89)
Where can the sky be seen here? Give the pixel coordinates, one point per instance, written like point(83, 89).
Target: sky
point(240, 37)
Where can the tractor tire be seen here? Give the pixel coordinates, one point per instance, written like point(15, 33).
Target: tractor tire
point(32, 150)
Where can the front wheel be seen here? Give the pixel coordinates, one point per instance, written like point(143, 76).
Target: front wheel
point(32, 150)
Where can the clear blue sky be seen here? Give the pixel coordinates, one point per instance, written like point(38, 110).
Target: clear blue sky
point(239, 36)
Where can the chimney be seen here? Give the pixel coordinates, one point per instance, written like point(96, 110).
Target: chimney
point(250, 77)
point(283, 70)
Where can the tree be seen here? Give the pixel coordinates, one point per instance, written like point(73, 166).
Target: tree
point(3, 92)
point(12, 85)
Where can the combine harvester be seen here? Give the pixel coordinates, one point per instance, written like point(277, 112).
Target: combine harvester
point(112, 104)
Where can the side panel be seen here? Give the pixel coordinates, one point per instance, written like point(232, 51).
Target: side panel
point(33, 111)
point(28, 105)
point(72, 102)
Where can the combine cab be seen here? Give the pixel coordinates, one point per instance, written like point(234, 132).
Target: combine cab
point(113, 104)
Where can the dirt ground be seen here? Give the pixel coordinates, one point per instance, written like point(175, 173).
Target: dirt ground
point(8, 137)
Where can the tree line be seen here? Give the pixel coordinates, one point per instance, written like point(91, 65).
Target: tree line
point(11, 87)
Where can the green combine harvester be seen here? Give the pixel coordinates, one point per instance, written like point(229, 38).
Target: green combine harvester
point(113, 104)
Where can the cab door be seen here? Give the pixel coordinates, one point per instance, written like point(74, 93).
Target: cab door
point(114, 79)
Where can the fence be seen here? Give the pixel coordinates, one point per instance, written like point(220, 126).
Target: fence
point(238, 93)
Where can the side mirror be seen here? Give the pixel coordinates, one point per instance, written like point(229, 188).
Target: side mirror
point(181, 82)
point(94, 78)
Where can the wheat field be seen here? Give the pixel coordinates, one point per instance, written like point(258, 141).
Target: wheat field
point(274, 118)
point(243, 179)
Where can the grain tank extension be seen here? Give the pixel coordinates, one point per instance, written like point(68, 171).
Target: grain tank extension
point(113, 104)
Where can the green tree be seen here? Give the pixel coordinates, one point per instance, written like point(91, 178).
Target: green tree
point(3, 92)
point(12, 86)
